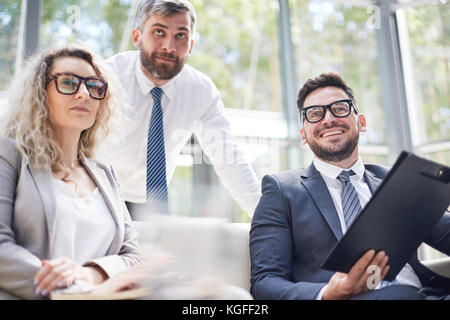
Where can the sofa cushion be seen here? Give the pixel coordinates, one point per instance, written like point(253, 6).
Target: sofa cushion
point(204, 246)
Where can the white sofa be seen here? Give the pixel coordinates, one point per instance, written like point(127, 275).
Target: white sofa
point(224, 246)
point(215, 244)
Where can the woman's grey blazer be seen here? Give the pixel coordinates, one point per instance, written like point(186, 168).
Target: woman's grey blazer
point(27, 221)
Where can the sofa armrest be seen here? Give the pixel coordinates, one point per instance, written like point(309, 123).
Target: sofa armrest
point(440, 266)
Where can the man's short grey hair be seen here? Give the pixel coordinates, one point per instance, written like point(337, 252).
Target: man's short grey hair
point(165, 8)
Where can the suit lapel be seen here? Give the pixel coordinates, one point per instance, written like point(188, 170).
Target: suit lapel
point(313, 182)
point(105, 188)
point(44, 184)
point(372, 181)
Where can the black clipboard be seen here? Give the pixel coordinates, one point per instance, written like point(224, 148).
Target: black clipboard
point(399, 216)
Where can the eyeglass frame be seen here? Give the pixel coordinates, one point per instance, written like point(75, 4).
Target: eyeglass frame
point(328, 106)
point(83, 79)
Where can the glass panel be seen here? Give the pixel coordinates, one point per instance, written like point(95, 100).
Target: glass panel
point(237, 46)
point(101, 25)
point(426, 58)
point(180, 188)
point(339, 36)
point(9, 31)
point(439, 156)
point(428, 27)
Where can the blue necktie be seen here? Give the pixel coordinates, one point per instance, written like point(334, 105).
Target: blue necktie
point(157, 198)
point(350, 201)
point(352, 207)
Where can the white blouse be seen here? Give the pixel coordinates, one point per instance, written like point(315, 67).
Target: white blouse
point(84, 226)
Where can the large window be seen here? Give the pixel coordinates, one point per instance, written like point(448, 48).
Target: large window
point(426, 53)
point(237, 46)
point(236, 42)
point(101, 25)
point(341, 37)
point(425, 43)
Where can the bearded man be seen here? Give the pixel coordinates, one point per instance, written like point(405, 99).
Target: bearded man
point(303, 213)
point(167, 101)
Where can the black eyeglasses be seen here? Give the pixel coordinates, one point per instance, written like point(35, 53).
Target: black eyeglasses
point(69, 83)
point(339, 109)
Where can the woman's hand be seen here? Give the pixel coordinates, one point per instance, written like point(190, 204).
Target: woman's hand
point(131, 278)
point(60, 273)
point(126, 280)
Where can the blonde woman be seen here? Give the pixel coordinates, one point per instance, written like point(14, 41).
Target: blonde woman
point(62, 220)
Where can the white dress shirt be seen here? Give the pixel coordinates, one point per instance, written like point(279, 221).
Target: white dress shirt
point(191, 103)
point(329, 173)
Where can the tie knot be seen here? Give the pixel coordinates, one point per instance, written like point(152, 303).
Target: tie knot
point(344, 176)
point(156, 93)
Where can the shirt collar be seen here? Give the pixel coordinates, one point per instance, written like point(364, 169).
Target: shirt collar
point(333, 171)
point(146, 84)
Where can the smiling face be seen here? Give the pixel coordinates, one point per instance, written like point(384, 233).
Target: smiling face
point(164, 43)
point(332, 139)
point(72, 112)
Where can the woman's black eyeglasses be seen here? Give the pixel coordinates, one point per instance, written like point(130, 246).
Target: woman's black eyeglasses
point(69, 83)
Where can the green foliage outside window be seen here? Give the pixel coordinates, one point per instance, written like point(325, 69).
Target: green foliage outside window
point(429, 37)
point(9, 30)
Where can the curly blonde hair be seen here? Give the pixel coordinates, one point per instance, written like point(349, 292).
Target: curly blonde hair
point(29, 121)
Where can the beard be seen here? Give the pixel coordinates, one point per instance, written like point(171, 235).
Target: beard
point(333, 152)
point(161, 71)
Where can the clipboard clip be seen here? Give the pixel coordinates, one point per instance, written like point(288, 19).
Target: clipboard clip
point(440, 173)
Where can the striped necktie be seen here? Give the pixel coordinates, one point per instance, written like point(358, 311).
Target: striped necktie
point(352, 207)
point(157, 198)
point(350, 201)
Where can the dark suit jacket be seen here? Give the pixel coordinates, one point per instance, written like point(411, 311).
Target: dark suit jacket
point(295, 226)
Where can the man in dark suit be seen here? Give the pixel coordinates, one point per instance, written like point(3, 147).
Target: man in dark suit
point(303, 213)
